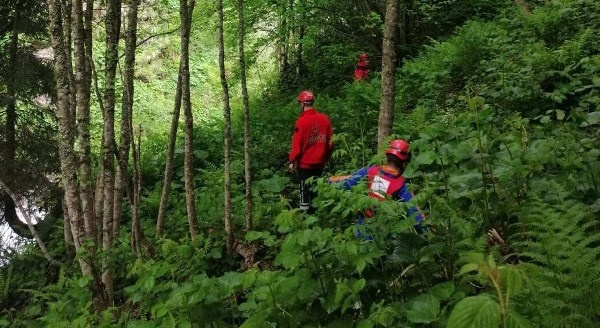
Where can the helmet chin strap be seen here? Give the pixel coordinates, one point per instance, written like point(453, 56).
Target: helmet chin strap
point(304, 106)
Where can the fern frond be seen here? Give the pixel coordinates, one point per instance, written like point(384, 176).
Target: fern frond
point(561, 238)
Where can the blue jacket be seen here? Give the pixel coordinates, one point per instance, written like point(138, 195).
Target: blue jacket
point(382, 181)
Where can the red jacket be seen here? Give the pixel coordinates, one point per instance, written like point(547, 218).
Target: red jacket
point(311, 143)
point(362, 70)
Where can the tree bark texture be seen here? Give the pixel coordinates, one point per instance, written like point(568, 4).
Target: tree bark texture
point(10, 142)
point(25, 215)
point(164, 198)
point(112, 25)
point(67, 156)
point(126, 113)
point(65, 129)
point(185, 11)
point(246, 104)
point(227, 137)
point(82, 76)
point(283, 39)
point(139, 243)
point(67, 233)
point(299, 46)
point(388, 73)
point(67, 8)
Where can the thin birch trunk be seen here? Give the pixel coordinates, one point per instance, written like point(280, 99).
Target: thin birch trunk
point(25, 215)
point(112, 25)
point(9, 151)
point(67, 156)
point(227, 137)
point(388, 73)
point(186, 10)
point(164, 198)
point(246, 104)
point(67, 233)
point(82, 76)
point(138, 240)
point(126, 112)
point(67, 8)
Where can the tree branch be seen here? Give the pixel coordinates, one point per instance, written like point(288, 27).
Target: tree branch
point(29, 223)
point(152, 37)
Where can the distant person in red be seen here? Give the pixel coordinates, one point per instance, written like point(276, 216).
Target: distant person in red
point(311, 147)
point(362, 67)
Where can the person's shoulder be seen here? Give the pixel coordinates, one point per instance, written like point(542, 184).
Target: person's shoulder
point(323, 116)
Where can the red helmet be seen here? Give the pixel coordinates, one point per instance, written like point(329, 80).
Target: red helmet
point(363, 56)
point(306, 96)
point(400, 149)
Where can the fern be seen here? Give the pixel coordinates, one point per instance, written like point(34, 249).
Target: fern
point(562, 239)
point(5, 278)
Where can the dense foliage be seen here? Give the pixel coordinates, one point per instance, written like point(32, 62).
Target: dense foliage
point(503, 117)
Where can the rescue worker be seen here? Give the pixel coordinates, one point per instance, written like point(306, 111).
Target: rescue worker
point(311, 147)
point(385, 181)
point(362, 67)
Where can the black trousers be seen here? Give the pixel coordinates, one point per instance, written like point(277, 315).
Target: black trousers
point(306, 194)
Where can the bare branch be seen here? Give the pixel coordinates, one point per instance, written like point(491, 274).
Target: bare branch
point(29, 223)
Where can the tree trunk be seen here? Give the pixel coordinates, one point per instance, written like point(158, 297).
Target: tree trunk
point(299, 49)
point(126, 112)
point(82, 76)
point(164, 198)
point(247, 159)
point(138, 240)
point(98, 203)
point(227, 116)
point(9, 151)
point(283, 41)
point(66, 152)
point(135, 209)
point(25, 215)
point(185, 11)
point(67, 7)
point(112, 25)
point(67, 233)
point(388, 73)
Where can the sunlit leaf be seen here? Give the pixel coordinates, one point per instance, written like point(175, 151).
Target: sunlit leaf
point(475, 312)
point(423, 309)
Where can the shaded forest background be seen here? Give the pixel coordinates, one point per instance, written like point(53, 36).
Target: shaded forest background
point(499, 100)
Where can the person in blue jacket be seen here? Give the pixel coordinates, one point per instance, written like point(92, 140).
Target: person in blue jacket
point(385, 181)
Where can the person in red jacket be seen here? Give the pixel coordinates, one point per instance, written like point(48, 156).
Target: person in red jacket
point(311, 146)
point(362, 67)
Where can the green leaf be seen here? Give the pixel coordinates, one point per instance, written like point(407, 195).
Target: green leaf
point(285, 221)
point(593, 118)
point(442, 291)
point(385, 316)
point(560, 115)
point(84, 280)
point(256, 320)
point(358, 285)
point(426, 157)
point(511, 279)
point(516, 321)
point(462, 151)
point(365, 324)
point(469, 267)
point(423, 309)
point(161, 311)
point(477, 312)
